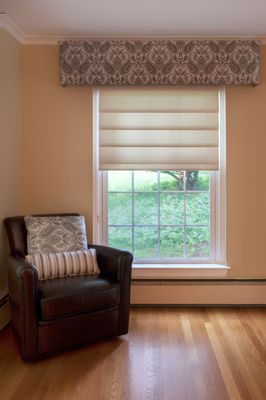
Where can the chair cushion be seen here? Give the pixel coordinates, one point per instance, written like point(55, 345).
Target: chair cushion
point(52, 234)
point(76, 294)
point(57, 265)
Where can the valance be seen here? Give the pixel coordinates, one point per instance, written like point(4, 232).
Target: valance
point(159, 62)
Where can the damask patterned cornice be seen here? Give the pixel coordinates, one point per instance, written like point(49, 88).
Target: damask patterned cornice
point(159, 62)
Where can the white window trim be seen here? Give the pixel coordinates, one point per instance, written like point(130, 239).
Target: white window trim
point(221, 184)
point(167, 270)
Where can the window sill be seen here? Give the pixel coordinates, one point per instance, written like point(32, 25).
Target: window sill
point(176, 271)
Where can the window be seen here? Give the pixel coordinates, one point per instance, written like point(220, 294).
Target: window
point(161, 215)
point(160, 173)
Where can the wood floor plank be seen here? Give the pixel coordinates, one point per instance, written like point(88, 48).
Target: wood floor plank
point(230, 355)
point(244, 354)
point(168, 354)
point(194, 357)
point(175, 360)
point(208, 367)
point(224, 367)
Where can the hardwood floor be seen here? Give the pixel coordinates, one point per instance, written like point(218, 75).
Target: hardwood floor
point(169, 354)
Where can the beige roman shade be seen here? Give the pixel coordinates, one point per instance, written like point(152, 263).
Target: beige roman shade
point(164, 129)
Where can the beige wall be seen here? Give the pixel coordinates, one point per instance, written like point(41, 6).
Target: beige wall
point(246, 177)
point(57, 142)
point(10, 139)
point(57, 155)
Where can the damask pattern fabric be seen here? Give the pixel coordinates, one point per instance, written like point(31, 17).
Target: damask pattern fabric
point(54, 234)
point(159, 62)
point(57, 265)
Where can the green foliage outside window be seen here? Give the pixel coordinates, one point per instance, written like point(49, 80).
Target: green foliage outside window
point(160, 215)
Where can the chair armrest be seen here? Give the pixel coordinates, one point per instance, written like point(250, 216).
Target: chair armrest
point(21, 273)
point(23, 291)
point(117, 265)
point(114, 263)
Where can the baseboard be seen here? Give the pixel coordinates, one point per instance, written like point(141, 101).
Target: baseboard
point(4, 312)
point(235, 292)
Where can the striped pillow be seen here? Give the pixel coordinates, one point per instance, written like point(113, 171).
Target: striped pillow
point(55, 265)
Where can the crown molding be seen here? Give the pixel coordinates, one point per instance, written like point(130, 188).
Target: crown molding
point(8, 25)
point(53, 40)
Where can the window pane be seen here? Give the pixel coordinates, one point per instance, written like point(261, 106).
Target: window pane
point(172, 242)
point(198, 242)
point(119, 208)
point(172, 180)
point(145, 208)
point(197, 180)
point(145, 181)
point(119, 181)
point(120, 237)
point(172, 208)
point(149, 207)
point(198, 208)
point(146, 242)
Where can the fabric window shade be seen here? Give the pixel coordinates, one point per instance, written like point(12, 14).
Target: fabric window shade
point(164, 129)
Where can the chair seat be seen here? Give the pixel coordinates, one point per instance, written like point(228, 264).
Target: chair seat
point(62, 297)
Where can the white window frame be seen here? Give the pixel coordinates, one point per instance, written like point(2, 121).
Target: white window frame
point(216, 267)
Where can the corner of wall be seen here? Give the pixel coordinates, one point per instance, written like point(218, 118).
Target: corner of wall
point(10, 146)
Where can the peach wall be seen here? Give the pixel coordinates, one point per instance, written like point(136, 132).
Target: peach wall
point(57, 141)
point(57, 155)
point(246, 177)
point(10, 140)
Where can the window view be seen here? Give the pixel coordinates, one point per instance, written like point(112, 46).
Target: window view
point(160, 215)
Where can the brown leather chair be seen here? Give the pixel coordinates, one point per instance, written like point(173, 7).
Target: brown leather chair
point(59, 314)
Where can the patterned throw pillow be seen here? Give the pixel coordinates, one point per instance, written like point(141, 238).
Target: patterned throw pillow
point(56, 265)
point(55, 234)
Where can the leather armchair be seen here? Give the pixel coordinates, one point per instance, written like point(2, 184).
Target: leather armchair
point(54, 315)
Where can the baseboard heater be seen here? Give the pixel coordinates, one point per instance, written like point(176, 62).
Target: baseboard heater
point(199, 292)
point(4, 311)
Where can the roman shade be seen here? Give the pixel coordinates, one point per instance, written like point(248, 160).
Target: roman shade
point(161, 129)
